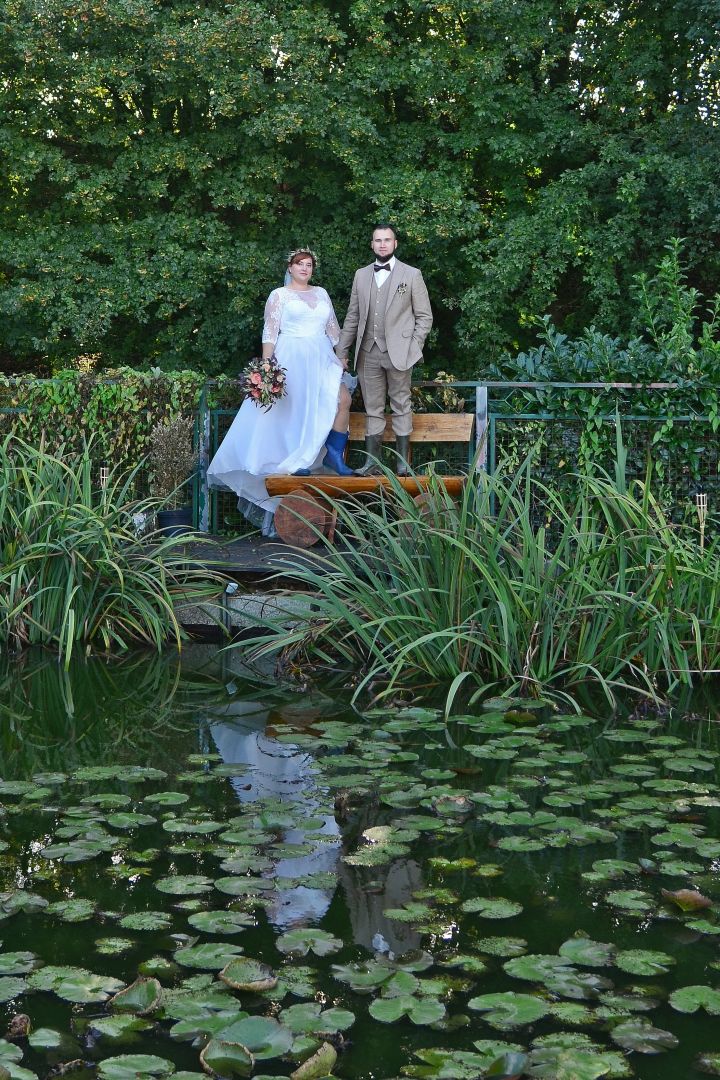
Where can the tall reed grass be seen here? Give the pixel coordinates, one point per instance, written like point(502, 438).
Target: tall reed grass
point(73, 570)
point(602, 589)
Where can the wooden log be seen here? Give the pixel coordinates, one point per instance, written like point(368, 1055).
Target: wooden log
point(301, 517)
point(338, 486)
point(427, 427)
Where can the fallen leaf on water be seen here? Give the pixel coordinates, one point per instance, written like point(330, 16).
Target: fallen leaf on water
point(687, 899)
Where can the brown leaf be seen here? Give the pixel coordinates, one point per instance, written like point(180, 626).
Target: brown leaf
point(687, 899)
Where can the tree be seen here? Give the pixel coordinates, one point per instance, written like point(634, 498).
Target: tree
point(164, 156)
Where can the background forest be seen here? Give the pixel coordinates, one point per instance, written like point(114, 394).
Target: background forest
point(159, 157)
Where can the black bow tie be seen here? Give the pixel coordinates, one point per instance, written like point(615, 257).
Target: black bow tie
point(380, 266)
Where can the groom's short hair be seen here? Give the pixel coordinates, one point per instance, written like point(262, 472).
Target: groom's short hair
point(384, 225)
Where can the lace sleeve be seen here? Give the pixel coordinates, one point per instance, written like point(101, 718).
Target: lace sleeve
point(332, 328)
point(273, 313)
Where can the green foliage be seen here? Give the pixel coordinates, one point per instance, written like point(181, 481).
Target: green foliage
point(675, 343)
point(602, 588)
point(161, 161)
point(73, 569)
point(120, 409)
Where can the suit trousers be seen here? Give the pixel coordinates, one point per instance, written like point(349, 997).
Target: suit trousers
point(378, 381)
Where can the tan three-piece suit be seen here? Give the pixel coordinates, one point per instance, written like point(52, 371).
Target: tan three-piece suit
point(388, 325)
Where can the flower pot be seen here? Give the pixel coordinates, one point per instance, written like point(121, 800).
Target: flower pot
point(175, 522)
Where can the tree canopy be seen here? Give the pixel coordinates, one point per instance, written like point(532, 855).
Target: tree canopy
point(160, 157)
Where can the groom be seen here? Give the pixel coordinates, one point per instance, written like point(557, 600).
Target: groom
point(388, 318)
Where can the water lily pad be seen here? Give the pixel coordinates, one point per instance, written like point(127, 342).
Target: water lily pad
point(492, 907)
point(536, 967)
point(167, 798)
point(418, 1010)
point(128, 774)
point(132, 1066)
point(146, 920)
point(221, 922)
point(243, 886)
point(631, 901)
point(640, 1036)
point(309, 1018)
point(141, 997)
point(130, 820)
point(320, 1064)
point(75, 984)
point(222, 1058)
point(209, 956)
point(250, 975)
point(107, 800)
point(508, 1010)
point(184, 884)
point(114, 946)
point(72, 910)
point(559, 1063)
point(119, 1027)
point(199, 826)
point(17, 963)
point(581, 950)
point(11, 988)
point(644, 962)
point(521, 843)
point(263, 1036)
point(502, 946)
point(302, 941)
point(688, 999)
point(78, 850)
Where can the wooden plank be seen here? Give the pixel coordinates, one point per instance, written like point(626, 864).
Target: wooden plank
point(355, 485)
point(427, 427)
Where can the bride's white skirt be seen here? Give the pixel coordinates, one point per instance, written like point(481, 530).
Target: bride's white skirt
point(292, 434)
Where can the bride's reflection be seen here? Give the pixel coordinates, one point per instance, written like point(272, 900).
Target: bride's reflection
point(282, 771)
point(242, 731)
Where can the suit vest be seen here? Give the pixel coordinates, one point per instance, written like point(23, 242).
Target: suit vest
point(375, 325)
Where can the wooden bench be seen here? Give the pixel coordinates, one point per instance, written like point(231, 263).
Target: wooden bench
point(302, 510)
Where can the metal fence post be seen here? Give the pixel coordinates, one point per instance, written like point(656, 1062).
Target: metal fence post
point(203, 508)
point(481, 426)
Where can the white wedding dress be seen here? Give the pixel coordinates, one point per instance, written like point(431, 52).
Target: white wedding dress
point(291, 435)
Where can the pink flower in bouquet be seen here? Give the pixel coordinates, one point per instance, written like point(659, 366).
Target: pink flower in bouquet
point(255, 394)
point(256, 378)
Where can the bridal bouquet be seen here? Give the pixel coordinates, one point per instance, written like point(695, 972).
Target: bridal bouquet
point(263, 381)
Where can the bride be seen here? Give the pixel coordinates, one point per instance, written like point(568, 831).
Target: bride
point(307, 427)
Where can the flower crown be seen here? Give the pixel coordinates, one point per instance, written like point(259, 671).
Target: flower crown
point(302, 251)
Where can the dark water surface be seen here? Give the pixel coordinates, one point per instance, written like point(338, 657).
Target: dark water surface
point(233, 797)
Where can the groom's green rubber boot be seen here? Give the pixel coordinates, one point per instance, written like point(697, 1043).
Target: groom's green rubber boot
point(402, 450)
point(373, 450)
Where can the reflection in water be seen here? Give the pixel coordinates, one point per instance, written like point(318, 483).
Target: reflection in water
point(136, 708)
point(281, 771)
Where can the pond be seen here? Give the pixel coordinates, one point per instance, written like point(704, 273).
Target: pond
point(288, 886)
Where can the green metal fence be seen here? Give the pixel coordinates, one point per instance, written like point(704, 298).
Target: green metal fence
point(504, 435)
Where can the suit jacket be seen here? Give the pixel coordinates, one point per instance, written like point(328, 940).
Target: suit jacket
point(408, 315)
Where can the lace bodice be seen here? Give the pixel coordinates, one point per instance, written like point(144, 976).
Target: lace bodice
point(300, 314)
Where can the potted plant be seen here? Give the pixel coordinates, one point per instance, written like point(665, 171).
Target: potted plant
point(173, 461)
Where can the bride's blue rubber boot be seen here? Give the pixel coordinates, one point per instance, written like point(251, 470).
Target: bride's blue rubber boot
point(335, 444)
point(302, 472)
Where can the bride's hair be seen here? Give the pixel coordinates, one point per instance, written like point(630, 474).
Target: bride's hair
point(302, 253)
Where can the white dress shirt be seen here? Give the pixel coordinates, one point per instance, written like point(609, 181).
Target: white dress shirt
point(381, 276)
